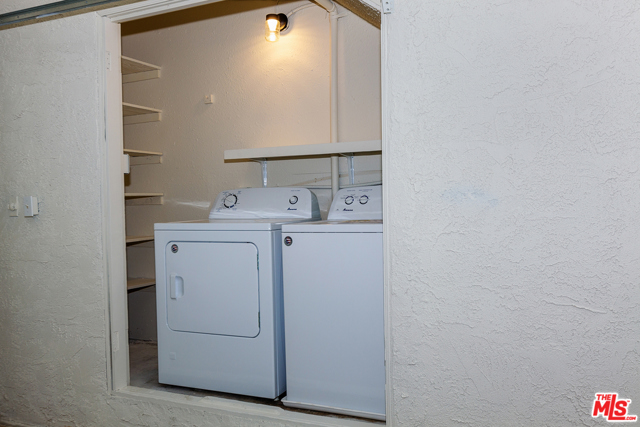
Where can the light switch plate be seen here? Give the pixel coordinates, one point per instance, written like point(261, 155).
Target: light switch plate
point(30, 206)
point(13, 206)
point(126, 164)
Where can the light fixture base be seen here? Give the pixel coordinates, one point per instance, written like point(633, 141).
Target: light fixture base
point(284, 21)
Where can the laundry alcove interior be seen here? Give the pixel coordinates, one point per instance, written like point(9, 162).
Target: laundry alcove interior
point(218, 85)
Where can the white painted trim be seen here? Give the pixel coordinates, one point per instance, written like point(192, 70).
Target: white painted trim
point(149, 8)
point(255, 411)
point(386, 166)
point(104, 192)
point(113, 199)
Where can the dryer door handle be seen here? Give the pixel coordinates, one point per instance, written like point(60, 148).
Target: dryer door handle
point(176, 286)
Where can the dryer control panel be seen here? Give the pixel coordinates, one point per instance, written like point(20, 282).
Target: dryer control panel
point(254, 203)
point(357, 203)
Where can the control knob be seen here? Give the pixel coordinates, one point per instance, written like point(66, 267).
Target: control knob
point(230, 201)
point(348, 200)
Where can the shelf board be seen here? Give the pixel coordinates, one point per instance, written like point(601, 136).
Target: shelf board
point(139, 114)
point(139, 239)
point(134, 70)
point(132, 66)
point(141, 153)
point(305, 150)
point(134, 284)
point(135, 110)
point(141, 195)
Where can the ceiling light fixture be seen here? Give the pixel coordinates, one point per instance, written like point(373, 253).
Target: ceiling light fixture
point(274, 24)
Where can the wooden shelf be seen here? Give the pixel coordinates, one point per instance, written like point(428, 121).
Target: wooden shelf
point(136, 110)
point(304, 150)
point(138, 114)
point(141, 195)
point(141, 153)
point(134, 284)
point(138, 239)
point(135, 71)
point(137, 199)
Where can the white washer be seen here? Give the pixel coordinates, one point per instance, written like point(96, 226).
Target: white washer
point(333, 299)
point(219, 292)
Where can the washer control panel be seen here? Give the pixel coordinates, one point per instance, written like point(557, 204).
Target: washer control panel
point(272, 203)
point(357, 203)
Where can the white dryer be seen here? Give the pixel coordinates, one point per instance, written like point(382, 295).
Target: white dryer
point(219, 292)
point(333, 299)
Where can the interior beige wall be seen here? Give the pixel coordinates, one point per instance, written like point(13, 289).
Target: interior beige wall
point(52, 278)
point(266, 94)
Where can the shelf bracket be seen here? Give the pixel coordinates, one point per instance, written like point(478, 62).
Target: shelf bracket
point(352, 172)
point(263, 163)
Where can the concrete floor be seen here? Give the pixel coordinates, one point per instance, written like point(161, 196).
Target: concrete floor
point(143, 371)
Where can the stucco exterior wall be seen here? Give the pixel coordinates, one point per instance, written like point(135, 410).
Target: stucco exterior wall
point(52, 304)
point(513, 210)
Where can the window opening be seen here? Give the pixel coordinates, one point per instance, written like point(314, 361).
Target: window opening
point(140, 77)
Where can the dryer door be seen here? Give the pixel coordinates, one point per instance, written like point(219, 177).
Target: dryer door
point(212, 288)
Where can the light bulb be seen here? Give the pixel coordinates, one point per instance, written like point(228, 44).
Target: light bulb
point(272, 28)
point(273, 25)
point(273, 36)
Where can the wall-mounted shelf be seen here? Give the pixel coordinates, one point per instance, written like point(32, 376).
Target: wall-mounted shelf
point(135, 71)
point(138, 239)
point(304, 150)
point(138, 114)
point(141, 153)
point(135, 199)
point(141, 157)
point(313, 150)
point(134, 284)
point(141, 195)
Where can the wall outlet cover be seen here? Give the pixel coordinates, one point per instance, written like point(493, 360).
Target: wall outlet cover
point(30, 206)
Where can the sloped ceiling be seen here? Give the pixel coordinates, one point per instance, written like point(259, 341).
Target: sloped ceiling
point(367, 10)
